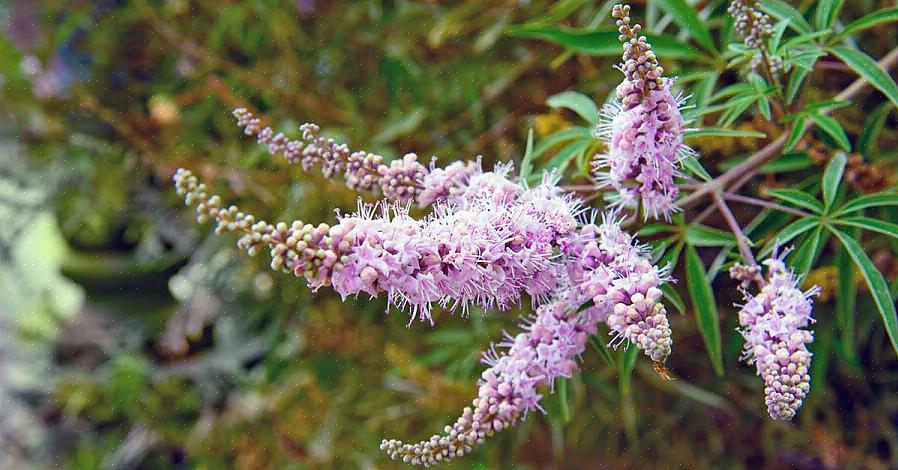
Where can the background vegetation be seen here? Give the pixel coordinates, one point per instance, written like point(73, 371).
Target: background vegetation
point(131, 338)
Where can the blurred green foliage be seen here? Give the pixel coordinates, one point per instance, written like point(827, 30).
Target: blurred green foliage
point(131, 339)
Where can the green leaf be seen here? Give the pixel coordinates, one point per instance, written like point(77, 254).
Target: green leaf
point(579, 103)
point(879, 289)
point(804, 256)
point(886, 15)
point(827, 11)
point(720, 132)
point(527, 161)
point(564, 156)
point(833, 129)
point(551, 141)
point(695, 167)
point(870, 200)
point(788, 233)
point(685, 16)
point(873, 225)
point(602, 350)
point(674, 298)
point(784, 11)
point(868, 69)
point(604, 42)
point(795, 81)
point(563, 400)
point(845, 299)
point(832, 176)
point(796, 134)
point(705, 307)
point(798, 198)
point(873, 125)
point(700, 235)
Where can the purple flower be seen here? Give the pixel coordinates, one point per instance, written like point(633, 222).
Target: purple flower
point(774, 324)
point(546, 348)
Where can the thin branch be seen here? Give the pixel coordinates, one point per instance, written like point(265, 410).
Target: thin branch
point(766, 204)
point(773, 148)
point(741, 239)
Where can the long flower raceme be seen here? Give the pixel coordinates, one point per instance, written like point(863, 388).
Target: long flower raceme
point(613, 271)
point(643, 129)
point(403, 180)
point(485, 247)
point(774, 323)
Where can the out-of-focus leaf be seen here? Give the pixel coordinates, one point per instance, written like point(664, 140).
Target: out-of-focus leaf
point(603, 351)
point(719, 132)
point(879, 289)
point(566, 155)
point(686, 17)
point(795, 81)
point(832, 176)
point(868, 69)
point(404, 125)
point(705, 307)
point(886, 15)
point(548, 143)
point(846, 296)
point(873, 125)
point(579, 103)
point(604, 42)
point(795, 134)
point(527, 161)
point(673, 297)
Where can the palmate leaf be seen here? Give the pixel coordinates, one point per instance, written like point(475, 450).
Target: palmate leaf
point(784, 11)
point(807, 251)
point(845, 301)
point(879, 289)
point(827, 11)
point(705, 308)
point(833, 129)
point(788, 233)
point(873, 125)
point(700, 235)
point(692, 165)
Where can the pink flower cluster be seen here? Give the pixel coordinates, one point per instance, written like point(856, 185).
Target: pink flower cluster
point(645, 151)
point(643, 129)
point(545, 349)
point(774, 324)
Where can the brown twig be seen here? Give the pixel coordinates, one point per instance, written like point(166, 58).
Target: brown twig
point(741, 240)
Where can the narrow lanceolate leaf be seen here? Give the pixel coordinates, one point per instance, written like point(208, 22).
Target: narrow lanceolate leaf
point(827, 11)
point(873, 125)
point(796, 134)
point(868, 69)
point(879, 289)
point(720, 132)
point(788, 233)
point(798, 198)
point(804, 256)
point(579, 103)
point(833, 129)
point(887, 15)
point(686, 17)
point(693, 166)
point(831, 178)
point(784, 11)
point(871, 200)
point(527, 161)
point(705, 307)
point(700, 235)
point(873, 225)
point(845, 300)
point(674, 298)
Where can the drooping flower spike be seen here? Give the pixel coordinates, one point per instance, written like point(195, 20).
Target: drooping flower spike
point(402, 180)
point(775, 323)
point(643, 129)
point(486, 247)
